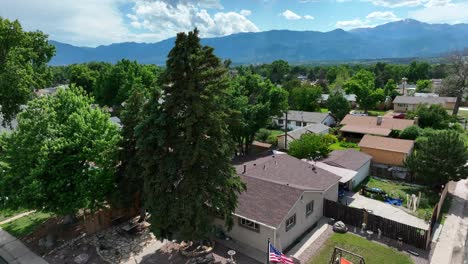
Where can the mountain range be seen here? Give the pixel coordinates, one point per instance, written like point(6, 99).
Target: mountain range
point(400, 39)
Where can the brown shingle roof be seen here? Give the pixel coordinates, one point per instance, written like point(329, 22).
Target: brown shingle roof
point(266, 202)
point(384, 143)
point(366, 130)
point(285, 169)
point(371, 121)
point(349, 159)
point(310, 117)
point(423, 100)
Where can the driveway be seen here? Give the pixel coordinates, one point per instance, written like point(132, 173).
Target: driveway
point(385, 210)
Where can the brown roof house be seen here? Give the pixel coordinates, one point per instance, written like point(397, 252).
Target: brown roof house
point(349, 159)
point(357, 126)
point(284, 199)
point(388, 151)
point(409, 103)
point(319, 129)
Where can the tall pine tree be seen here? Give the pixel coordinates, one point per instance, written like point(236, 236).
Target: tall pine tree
point(185, 146)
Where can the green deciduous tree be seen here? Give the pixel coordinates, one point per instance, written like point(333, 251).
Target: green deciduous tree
point(185, 146)
point(305, 98)
point(411, 132)
point(390, 88)
point(23, 66)
point(423, 86)
point(362, 85)
point(439, 159)
point(338, 105)
point(81, 75)
point(310, 146)
point(278, 71)
point(115, 84)
point(62, 156)
point(255, 101)
point(433, 116)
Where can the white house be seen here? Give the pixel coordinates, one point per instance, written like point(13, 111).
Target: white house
point(350, 162)
point(298, 119)
point(319, 129)
point(283, 200)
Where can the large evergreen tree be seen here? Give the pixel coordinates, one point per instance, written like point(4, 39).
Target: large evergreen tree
point(185, 146)
point(439, 159)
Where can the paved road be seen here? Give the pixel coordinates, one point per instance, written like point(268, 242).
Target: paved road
point(451, 246)
point(385, 210)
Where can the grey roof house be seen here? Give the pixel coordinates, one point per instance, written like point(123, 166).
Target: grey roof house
point(319, 129)
point(298, 119)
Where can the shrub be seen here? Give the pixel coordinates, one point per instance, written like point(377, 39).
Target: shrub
point(310, 146)
point(411, 132)
point(263, 135)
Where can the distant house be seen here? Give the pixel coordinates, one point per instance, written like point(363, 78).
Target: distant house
point(353, 160)
point(7, 128)
point(388, 151)
point(357, 126)
point(284, 199)
point(406, 89)
point(298, 119)
point(409, 103)
point(351, 98)
point(318, 129)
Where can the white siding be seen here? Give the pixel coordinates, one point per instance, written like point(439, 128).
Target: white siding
point(286, 238)
point(362, 173)
point(257, 240)
point(329, 121)
point(332, 193)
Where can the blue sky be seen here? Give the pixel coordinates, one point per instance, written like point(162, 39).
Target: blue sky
point(101, 22)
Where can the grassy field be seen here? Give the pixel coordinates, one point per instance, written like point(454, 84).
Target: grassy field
point(376, 113)
point(323, 110)
point(7, 213)
point(371, 251)
point(463, 113)
point(26, 224)
point(429, 198)
point(340, 145)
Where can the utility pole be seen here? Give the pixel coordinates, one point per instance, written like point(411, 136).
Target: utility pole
point(286, 132)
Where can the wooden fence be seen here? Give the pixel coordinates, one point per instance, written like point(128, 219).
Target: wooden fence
point(389, 228)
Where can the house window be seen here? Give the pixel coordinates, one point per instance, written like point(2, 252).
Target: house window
point(280, 121)
point(304, 123)
point(289, 122)
point(309, 208)
point(291, 222)
point(249, 224)
point(298, 123)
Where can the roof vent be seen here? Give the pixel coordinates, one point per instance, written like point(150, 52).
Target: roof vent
point(264, 166)
point(245, 169)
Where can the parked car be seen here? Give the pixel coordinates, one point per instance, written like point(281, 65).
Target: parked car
point(399, 115)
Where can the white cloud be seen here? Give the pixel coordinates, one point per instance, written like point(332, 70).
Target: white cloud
point(447, 13)
point(387, 16)
point(308, 1)
point(434, 3)
point(245, 12)
point(86, 23)
point(342, 1)
point(290, 15)
point(397, 3)
point(356, 23)
point(165, 20)
point(372, 20)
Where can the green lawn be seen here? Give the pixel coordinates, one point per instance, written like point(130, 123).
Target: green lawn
point(7, 213)
point(26, 224)
point(323, 110)
point(371, 252)
point(340, 145)
point(377, 113)
point(462, 113)
point(429, 197)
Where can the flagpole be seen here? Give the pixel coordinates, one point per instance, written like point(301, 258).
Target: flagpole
point(268, 252)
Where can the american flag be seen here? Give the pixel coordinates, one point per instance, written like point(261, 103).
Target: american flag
point(274, 255)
